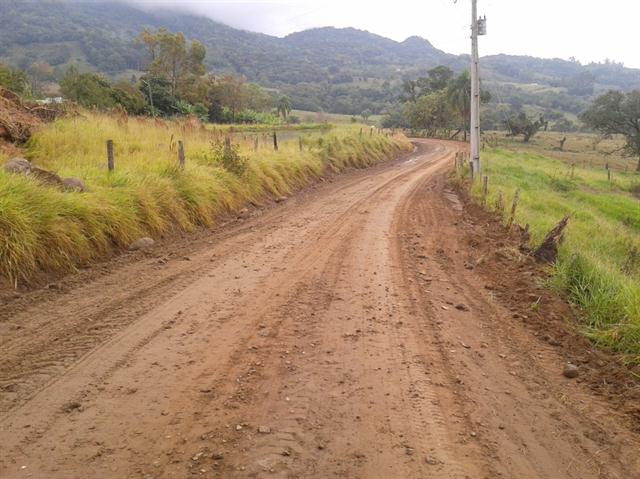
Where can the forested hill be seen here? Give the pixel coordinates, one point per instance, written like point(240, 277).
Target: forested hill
point(339, 70)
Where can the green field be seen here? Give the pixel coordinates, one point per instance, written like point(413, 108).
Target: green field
point(582, 149)
point(599, 262)
point(47, 229)
point(338, 118)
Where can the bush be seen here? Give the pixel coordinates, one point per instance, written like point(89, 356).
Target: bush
point(228, 156)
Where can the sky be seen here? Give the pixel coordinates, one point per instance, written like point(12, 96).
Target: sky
point(588, 30)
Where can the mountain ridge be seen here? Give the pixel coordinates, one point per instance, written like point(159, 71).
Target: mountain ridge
point(344, 70)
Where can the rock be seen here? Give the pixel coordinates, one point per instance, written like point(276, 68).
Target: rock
point(280, 199)
point(73, 184)
point(243, 213)
point(571, 371)
point(71, 406)
point(17, 165)
point(432, 461)
point(462, 307)
point(217, 456)
point(142, 243)
point(264, 430)
point(46, 177)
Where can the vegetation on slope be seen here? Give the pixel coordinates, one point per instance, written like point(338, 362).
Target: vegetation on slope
point(599, 261)
point(338, 70)
point(43, 228)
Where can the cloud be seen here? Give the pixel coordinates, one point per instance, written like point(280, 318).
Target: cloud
point(546, 28)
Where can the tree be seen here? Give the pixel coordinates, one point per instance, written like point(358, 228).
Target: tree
point(432, 112)
point(171, 58)
point(521, 124)
point(284, 106)
point(459, 96)
point(229, 91)
point(258, 99)
point(617, 113)
point(87, 89)
point(129, 97)
point(410, 92)
point(365, 114)
point(158, 95)
point(39, 72)
point(439, 78)
point(14, 80)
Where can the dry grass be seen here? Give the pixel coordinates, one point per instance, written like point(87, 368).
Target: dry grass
point(45, 229)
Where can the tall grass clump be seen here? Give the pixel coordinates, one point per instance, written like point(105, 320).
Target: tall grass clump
point(46, 229)
point(599, 262)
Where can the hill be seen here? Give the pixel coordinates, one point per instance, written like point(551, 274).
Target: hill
point(340, 70)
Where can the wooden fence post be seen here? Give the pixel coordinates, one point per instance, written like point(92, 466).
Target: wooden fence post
point(275, 141)
point(514, 205)
point(227, 145)
point(485, 189)
point(300, 143)
point(181, 154)
point(110, 164)
point(609, 175)
point(255, 143)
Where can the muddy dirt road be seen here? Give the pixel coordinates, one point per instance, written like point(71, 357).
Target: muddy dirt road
point(339, 334)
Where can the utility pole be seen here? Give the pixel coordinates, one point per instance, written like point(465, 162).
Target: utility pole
point(478, 27)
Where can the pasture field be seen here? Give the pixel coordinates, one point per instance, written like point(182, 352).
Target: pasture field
point(599, 261)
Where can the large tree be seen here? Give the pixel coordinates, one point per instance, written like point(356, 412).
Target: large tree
point(459, 96)
point(431, 112)
point(284, 106)
point(617, 113)
point(171, 58)
point(521, 124)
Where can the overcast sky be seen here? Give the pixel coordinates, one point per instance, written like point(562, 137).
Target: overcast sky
point(589, 30)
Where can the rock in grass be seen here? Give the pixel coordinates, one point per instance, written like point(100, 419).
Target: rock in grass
point(142, 243)
point(73, 184)
point(570, 371)
point(18, 165)
point(46, 177)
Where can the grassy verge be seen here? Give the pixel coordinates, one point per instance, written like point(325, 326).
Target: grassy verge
point(46, 229)
point(599, 262)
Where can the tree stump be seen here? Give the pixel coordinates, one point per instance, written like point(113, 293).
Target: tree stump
point(547, 252)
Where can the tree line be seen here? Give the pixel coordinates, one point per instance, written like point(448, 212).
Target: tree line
point(439, 104)
point(175, 82)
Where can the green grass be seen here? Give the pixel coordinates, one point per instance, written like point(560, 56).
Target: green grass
point(587, 150)
point(336, 118)
point(599, 261)
point(46, 229)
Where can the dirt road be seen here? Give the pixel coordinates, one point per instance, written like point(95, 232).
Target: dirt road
point(339, 334)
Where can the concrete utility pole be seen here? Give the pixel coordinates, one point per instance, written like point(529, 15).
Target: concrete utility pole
point(478, 27)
